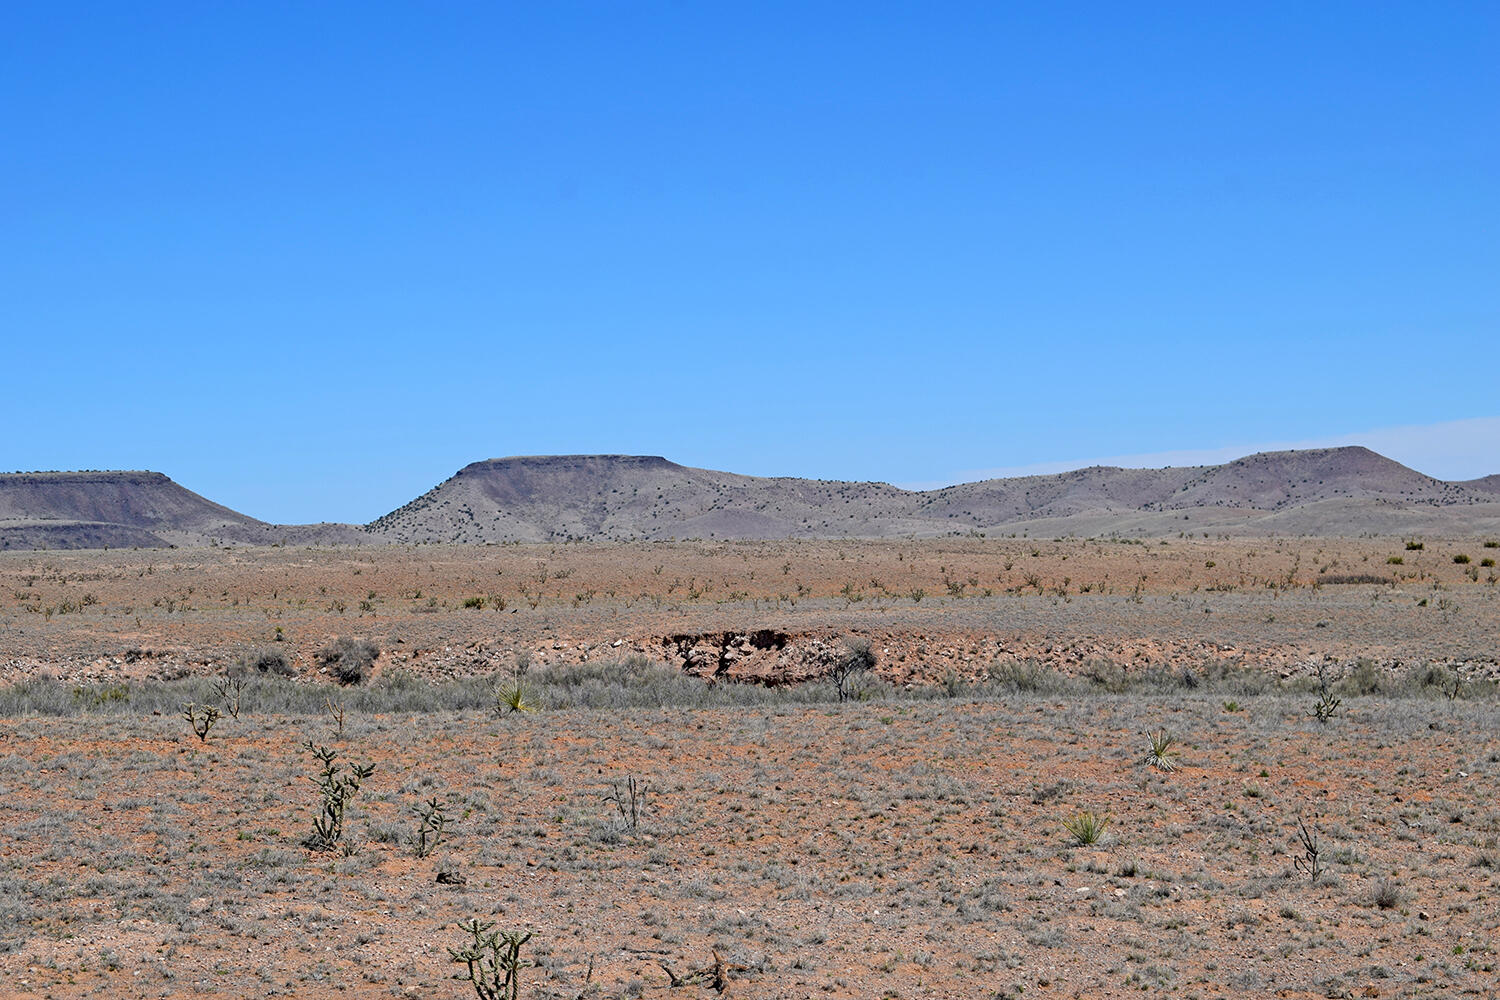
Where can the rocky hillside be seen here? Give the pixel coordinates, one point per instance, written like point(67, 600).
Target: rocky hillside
point(616, 497)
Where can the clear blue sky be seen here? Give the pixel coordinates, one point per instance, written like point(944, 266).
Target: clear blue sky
point(310, 259)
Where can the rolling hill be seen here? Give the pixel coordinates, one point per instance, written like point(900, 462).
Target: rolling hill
point(619, 497)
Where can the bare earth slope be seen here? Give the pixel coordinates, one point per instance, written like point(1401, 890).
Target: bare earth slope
point(1335, 491)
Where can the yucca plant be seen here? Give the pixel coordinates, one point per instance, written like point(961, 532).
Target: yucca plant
point(1086, 826)
point(1160, 751)
point(513, 697)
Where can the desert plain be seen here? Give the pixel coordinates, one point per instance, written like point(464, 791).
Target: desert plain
point(640, 759)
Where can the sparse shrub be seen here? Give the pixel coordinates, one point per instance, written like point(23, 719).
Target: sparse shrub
point(858, 660)
point(348, 659)
point(1415, 546)
point(98, 697)
point(1328, 703)
point(1159, 751)
point(1086, 826)
point(1385, 894)
point(1461, 559)
point(1395, 561)
point(1347, 578)
point(1486, 562)
point(1365, 679)
point(476, 603)
point(200, 719)
point(629, 799)
point(335, 711)
point(335, 789)
point(493, 961)
point(1027, 676)
point(1310, 863)
point(1042, 794)
point(229, 689)
point(266, 661)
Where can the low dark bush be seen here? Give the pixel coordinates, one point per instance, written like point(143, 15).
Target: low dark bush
point(348, 660)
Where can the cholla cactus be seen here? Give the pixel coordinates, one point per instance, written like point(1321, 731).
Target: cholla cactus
point(336, 789)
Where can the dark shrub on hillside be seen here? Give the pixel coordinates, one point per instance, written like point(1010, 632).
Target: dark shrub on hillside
point(348, 659)
point(265, 661)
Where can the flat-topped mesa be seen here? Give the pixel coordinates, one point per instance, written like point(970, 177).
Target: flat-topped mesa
point(113, 509)
point(588, 462)
point(136, 499)
point(523, 477)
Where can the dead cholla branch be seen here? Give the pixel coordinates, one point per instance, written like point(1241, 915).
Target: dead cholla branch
point(1328, 703)
point(1310, 863)
point(629, 800)
point(200, 719)
point(229, 689)
point(714, 975)
point(335, 711)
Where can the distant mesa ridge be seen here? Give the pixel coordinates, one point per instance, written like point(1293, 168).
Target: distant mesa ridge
point(539, 498)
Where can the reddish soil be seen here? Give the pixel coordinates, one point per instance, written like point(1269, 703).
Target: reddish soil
point(900, 849)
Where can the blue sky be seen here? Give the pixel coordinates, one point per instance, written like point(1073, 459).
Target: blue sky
point(310, 259)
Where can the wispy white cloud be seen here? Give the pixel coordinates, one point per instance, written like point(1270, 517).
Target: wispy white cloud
point(1454, 450)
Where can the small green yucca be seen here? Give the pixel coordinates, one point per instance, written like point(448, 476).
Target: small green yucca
point(1086, 826)
point(1160, 751)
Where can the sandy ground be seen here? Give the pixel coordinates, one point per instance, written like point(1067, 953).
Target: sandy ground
point(914, 846)
point(862, 850)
